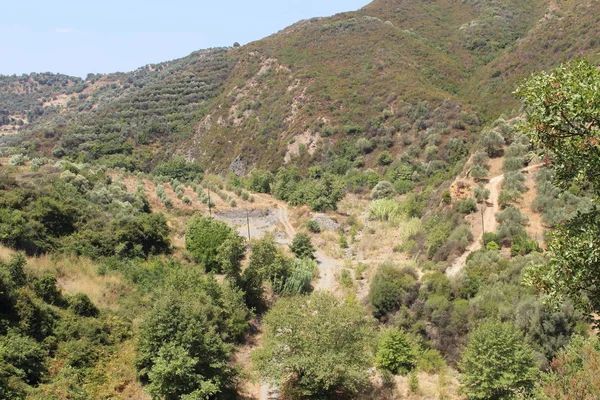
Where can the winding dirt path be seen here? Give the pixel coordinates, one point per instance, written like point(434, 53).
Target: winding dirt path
point(489, 220)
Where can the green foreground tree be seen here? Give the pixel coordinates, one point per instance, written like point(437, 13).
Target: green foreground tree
point(215, 244)
point(497, 363)
point(316, 346)
point(563, 110)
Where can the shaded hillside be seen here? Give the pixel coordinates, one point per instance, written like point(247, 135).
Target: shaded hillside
point(567, 30)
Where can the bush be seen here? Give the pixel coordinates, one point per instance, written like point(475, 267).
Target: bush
point(479, 173)
point(83, 306)
point(431, 361)
point(260, 181)
point(390, 288)
point(497, 363)
point(203, 239)
point(299, 279)
point(395, 353)
point(25, 355)
point(481, 193)
point(313, 226)
point(385, 158)
point(17, 160)
point(46, 289)
point(466, 206)
point(382, 190)
point(179, 168)
point(302, 247)
point(319, 362)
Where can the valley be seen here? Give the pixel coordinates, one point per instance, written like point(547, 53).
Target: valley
point(397, 202)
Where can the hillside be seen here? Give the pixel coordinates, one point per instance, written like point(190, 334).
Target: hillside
point(303, 94)
point(355, 207)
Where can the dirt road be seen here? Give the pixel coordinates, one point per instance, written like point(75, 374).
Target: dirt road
point(489, 220)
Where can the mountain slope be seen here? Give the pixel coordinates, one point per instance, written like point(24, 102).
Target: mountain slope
point(409, 77)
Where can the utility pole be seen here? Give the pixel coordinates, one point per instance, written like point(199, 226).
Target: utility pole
point(248, 223)
point(209, 209)
point(482, 226)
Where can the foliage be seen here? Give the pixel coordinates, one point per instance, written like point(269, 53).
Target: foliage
point(392, 287)
point(179, 168)
point(315, 346)
point(496, 363)
point(395, 352)
point(313, 226)
point(382, 190)
point(563, 109)
point(573, 373)
point(204, 238)
point(260, 181)
point(302, 247)
point(481, 193)
point(301, 274)
point(466, 206)
point(83, 306)
point(230, 254)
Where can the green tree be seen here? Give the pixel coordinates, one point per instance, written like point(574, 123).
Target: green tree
point(203, 239)
point(315, 346)
point(563, 118)
point(179, 168)
point(395, 353)
point(390, 288)
point(302, 247)
point(497, 363)
point(268, 260)
point(230, 254)
point(184, 348)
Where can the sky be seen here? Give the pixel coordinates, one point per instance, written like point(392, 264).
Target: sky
point(81, 37)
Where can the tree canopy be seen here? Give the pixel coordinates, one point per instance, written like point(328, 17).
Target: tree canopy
point(563, 110)
point(315, 345)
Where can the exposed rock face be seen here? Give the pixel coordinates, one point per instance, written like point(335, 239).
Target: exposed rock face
point(239, 167)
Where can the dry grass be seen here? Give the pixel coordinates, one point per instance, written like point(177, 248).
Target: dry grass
point(116, 375)
point(430, 386)
point(77, 275)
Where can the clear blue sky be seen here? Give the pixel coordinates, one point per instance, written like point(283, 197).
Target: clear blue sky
point(78, 37)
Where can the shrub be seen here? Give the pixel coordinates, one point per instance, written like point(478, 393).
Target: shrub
point(83, 306)
point(386, 210)
point(260, 181)
point(17, 160)
point(497, 363)
point(390, 288)
point(382, 190)
point(481, 193)
point(179, 168)
point(385, 158)
point(345, 279)
point(479, 173)
point(302, 247)
point(431, 361)
point(364, 146)
point(319, 362)
point(313, 226)
point(46, 289)
point(299, 279)
point(492, 142)
point(395, 353)
point(480, 158)
point(203, 238)
point(25, 355)
point(466, 206)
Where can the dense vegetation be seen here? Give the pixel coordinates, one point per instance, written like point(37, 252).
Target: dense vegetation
point(380, 109)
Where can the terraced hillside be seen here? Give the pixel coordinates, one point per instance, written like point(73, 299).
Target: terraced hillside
point(392, 73)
